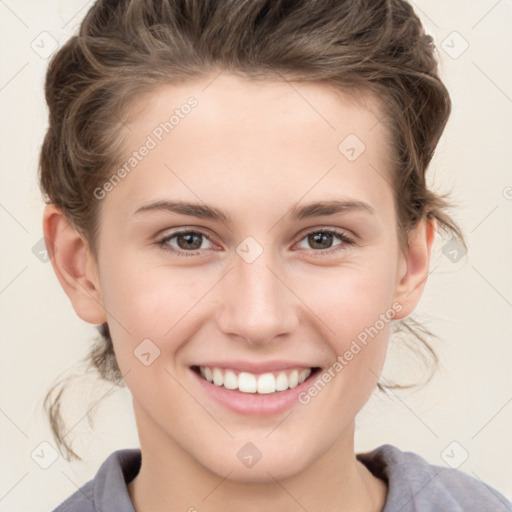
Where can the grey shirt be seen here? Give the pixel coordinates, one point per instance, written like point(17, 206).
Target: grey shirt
point(414, 485)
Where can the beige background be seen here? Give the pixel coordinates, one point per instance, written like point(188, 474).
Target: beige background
point(468, 303)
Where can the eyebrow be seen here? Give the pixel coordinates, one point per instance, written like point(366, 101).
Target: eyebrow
point(309, 210)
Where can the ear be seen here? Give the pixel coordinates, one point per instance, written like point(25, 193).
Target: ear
point(414, 266)
point(74, 265)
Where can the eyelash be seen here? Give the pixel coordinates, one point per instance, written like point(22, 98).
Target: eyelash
point(347, 241)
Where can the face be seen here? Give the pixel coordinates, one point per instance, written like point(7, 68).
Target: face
point(256, 286)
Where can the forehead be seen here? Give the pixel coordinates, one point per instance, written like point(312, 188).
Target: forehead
point(274, 140)
point(229, 100)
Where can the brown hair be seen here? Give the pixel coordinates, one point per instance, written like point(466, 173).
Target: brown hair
point(126, 47)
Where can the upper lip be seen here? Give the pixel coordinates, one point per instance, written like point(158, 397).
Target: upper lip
point(253, 367)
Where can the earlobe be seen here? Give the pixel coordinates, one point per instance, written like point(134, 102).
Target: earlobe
point(416, 260)
point(74, 266)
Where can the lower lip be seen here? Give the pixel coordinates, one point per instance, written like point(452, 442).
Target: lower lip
point(254, 404)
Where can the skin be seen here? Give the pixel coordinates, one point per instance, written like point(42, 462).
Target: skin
point(254, 150)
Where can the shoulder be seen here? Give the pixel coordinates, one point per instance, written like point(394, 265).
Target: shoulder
point(81, 500)
point(414, 484)
point(107, 490)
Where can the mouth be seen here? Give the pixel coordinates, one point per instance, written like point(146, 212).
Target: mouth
point(270, 383)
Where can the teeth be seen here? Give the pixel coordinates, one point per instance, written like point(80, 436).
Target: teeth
point(293, 379)
point(249, 383)
point(282, 382)
point(218, 377)
point(266, 383)
point(230, 380)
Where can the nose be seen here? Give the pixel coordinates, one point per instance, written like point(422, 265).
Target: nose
point(257, 303)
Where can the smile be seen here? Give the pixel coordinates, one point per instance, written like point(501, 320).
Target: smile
point(251, 388)
point(247, 382)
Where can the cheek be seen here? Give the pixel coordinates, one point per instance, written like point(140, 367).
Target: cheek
point(147, 315)
point(148, 303)
point(356, 314)
point(149, 299)
point(353, 298)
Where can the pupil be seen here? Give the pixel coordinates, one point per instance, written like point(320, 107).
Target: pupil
point(189, 239)
point(317, 238)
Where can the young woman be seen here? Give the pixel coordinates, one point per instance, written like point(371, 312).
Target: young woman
point(236, 195)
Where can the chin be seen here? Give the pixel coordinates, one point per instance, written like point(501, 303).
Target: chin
point(260, 473)
point(267, 469)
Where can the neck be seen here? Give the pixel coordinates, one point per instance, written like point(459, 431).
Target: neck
point(171, 479)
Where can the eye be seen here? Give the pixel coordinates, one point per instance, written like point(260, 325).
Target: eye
point(319, 238)
point(188, 240)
